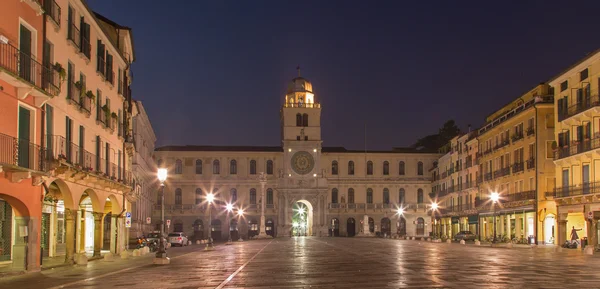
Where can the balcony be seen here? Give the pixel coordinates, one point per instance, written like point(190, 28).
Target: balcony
point(530, 164)
point(74, 35)
point(20, 155)
point(587, 103)
point(577, 147)
point(518, 167)
point(508, 201)
point(487, 177)
point(502, 144)
point(30, 77)
point(77, 97)
point(303, 105)
point(369, 207)
point(530, 131)
point(53, 10)
point(517, 137)
point(577, 190)
point(516, 111)
point(502, 172)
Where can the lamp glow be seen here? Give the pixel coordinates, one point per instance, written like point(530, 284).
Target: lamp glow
point(295, 224)
point(495, 196)
point(210, 197)
point(400, 211)
point(434, 206)
point(240, 212)
point(162, 175)
point(229, 207)
point(301, 211)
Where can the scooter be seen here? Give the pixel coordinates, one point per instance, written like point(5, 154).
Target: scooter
point(570, 244)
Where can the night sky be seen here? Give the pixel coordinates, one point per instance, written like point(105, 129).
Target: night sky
point(215, 72)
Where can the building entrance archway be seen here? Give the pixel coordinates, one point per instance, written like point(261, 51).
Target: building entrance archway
point(302, 218)
point(549, 225)
point(351, 227)
point(402, 226)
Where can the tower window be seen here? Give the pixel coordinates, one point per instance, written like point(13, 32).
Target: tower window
point(420, 168)
point(253, 167)
point(401, 168)
point(178, 167)
point(305, 119)
point(370, 168)
point(334, 168)
point(351, 168)
point(386, 168)
point(233, 167)
point(269, 167)
point(298, 119)
point(216, 167)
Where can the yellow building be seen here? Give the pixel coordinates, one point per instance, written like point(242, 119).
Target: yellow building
point(515, 159)
point(577, 149)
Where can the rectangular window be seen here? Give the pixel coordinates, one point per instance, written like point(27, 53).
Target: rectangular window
point(564, 85)
point(120, 81)
point(583, 75)
point(549, 150)
point(531, 184)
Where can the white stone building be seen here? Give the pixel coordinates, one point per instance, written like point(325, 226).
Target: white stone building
point(337, 188)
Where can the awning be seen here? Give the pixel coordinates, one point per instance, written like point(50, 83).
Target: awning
point(473, 220)
point(454, 220)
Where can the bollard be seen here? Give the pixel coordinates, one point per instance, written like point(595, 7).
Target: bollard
point(589, 250)
point(81, 259)
point(108, 257)
point(422, 239)
point(136, 253)
point(509, 245)
point(462, 242)
point(197, 242)
point(448, 241)
point(125, 254)
point(477, 243)
point(558, 249)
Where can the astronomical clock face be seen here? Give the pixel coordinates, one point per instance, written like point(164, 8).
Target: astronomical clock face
point(302, 163)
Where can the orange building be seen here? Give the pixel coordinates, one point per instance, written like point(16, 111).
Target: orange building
point(25, 85)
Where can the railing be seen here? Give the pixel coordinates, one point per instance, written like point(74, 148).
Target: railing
point(28, 69)
point(520, 196)
point(479, 179)
point(110, 76)
point(53, 10)
point(487, 176)
point(502, 172)
point(301, 104)
point(502, 144)
point(577, 148)
point(530, 131)
point(22, 153)
point(269, 206)
point(517, 136)
point(577, 190)
point(101, 116)
point(74, 35)
point(518, 167)
point(510, 114)
point(86, 47)
point(588, 102)
point(530, 164)
point(468, 162)
point(101, 66)
point(74, 94)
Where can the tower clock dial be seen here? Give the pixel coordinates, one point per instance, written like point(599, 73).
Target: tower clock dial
point(302, 162)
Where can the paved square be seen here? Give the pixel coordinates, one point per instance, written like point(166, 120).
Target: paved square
point(351, 263)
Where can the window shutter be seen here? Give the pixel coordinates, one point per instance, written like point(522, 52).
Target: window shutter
point(98, 152)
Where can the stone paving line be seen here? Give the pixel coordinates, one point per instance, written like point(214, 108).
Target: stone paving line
point(311, 262)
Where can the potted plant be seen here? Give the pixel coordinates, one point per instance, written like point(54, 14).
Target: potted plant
point(78, 84)
point(90, 95)
point(62, 73)
point(114, 115)
point(554, 146)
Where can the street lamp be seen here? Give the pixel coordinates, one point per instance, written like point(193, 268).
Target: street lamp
point(434, 207)
point(209, 198)
point(494, 197)
point(229, 208)
point(161, 255)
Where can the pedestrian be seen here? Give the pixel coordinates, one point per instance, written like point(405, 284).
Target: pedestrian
point(574, 236)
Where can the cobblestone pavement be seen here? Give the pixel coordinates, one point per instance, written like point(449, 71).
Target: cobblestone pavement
point(336, 263)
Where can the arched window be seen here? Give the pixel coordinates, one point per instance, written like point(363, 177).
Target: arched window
point(369, 168)
point(386, 168)
point(159, 163)
point(269, 167)
point(253, 167)
point(401, 169)
point(351, 168)
point(253, 196)
point(198, 167)
point(269, 196)
point(233, 193)
point(420, 226)
point(420, 196)
point(199, 196)
point(305, 119)
point(350, 196)
point(334, 196)
point(233, 167)
point(420, 168)
point(386, 196)
point(369, 196)
point(401, 196)
point(178, 167)
point(334, 168)
point(298, 119)
point(178, 196)
point(216, 167)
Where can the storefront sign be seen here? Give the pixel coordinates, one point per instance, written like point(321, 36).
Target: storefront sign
point(473, 219)
point(128, 220)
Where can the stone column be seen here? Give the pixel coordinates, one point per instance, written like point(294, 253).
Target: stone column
point(113, 233)
point(97, 233)
point(562, 231)
point(70, 216)
point(508, 232)
point(263, 183)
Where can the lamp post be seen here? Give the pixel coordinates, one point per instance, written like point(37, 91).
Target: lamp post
point(400, 213)
point(240, 214)
point(494, 197)
point(434, 207)
point(161, 255)
point(229, 208)
point(209, 198)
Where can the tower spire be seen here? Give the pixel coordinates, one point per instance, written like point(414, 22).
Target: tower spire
point(298, 68)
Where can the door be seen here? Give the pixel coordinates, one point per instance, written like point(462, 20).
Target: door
point(24, 134)
point(45, 234)
point(5, 230)
point(216, 230)
point(386, 226)
point(270, 227)
point(106, 235)
point(233, 230)
point(335, 227)
point(198, 230)
point(420, 227)
point(402, 227)
point(351, 227)
point(25, 69)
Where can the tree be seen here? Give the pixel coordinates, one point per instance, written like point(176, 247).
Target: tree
point(436, 141)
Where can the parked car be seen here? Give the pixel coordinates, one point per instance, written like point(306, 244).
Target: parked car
point(153, 240)
point(465, 235)
point(178, 238)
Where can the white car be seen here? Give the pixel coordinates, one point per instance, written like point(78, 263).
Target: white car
point(178, 238)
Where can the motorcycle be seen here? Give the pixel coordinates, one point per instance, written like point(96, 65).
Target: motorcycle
point(570, 244)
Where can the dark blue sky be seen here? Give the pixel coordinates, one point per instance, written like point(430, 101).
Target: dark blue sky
point(215, 72)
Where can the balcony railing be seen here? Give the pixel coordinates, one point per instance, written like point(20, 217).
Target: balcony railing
point(530, 164)
point(587, 103)
point(518, 167)
point(110, 76)
point(101, 65)
point(577, 147)
point(510, 114)
point(487, 177)
point(23, 66)
point(302, 104)
point(577, 190)
point(22, 153)
point(502, 172)
point(86, 47)
point(530, 131)
point(53, 10)
point(517, 136)
point(74, 35)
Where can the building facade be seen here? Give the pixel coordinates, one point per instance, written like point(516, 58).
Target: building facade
point(25, 85)
point(302, 187)
point(576, 93)
point(144, 172)
point(87, 131)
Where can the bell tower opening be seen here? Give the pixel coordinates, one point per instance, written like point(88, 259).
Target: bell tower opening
point(301, 112)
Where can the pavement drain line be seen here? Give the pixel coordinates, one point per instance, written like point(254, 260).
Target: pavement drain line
point(108, 274)
point(241, 267)
point(431, 278)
